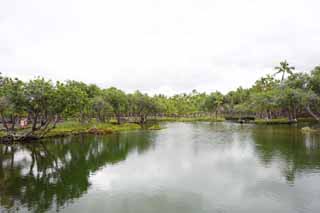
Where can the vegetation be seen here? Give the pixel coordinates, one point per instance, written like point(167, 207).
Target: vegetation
point(309, 130)
point(44, 104)
point(188, 119)
point(53, 173)
point(273, 121)
point(155, 127)
point(74, 128)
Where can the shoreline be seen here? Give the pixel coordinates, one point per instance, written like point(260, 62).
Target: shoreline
point(75, 128)
point(70, 128)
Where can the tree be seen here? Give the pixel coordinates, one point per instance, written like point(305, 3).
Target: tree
point(77, 102)
point(12, 102)
point(213, 102)
point(39, 102)
point(142, 105)
point(118, 100)
point(287, 93)
point(314, 83)
point(283, 69)
point(313, 96)
point(264, 96)
point(234, 98)
point(264, 102)
point(101, 108)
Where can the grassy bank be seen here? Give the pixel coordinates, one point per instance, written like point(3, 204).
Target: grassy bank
point(274, 121)
point(310, 130)
point(155, 127)
point(73, 128)
point(185, 119)
point(283, 121)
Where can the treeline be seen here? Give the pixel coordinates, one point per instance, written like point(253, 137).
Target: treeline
point(43, 103)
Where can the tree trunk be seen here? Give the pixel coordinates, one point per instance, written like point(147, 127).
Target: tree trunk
point(142, 119)
point(312, 113)
point(34, 123)
point(4, 122)
point(14, 120)
point(289, 115)
point(118, 118)
point(294, 113)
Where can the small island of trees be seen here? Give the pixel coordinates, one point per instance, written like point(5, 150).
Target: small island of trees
point(33, 109)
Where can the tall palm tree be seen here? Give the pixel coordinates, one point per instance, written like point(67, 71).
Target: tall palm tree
point(283, 69)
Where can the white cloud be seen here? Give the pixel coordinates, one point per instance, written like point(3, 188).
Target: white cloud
point(157, 46)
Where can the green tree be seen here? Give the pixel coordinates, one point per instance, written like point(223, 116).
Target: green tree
point(12, 102)
point(213, 102)
point(77, 100)
point(101, 108)
point(39, 102)
point(283, 69)
point(118, 100)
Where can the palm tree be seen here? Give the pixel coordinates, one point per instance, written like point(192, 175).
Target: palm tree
point(283, 69)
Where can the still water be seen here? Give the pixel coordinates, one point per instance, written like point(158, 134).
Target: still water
point(187, 167)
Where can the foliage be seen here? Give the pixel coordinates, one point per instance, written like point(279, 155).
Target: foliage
point(44, 103)
point(155, 127)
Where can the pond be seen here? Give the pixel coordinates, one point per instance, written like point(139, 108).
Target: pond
point(187, 167)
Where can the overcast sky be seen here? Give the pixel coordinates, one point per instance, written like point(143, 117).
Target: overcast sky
point(157, 46)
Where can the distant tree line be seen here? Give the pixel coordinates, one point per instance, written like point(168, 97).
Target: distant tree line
point(44, 103)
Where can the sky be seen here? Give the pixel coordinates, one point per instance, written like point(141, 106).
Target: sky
point(157, 46)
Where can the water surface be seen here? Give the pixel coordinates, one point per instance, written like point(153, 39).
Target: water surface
point(187, 167)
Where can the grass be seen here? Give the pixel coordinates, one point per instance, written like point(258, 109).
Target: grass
point(274, 121)
point(308, 119)
point(74, 128)
point(283, 121)
point(2, 134)
point(185, 119)
point(310, 130)
point(155, 127)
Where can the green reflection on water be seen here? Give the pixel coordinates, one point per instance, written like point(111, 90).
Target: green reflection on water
point(54, 172)
point(300, 152)
point(178, 169)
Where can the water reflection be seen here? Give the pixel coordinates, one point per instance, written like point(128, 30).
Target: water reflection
point(200, 167)
point(53, 173)
point(296, 152)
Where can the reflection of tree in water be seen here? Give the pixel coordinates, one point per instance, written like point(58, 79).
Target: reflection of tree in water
point(298, 152)
point(51, 174)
